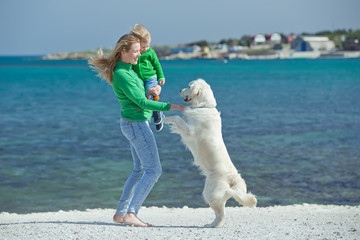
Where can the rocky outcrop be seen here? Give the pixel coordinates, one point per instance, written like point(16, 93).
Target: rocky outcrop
point(71, 55)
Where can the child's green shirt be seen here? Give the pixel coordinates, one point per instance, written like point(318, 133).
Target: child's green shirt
point(148, 66)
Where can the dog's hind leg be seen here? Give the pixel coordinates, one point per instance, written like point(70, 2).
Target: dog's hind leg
point(218, 205)
point(215, 194)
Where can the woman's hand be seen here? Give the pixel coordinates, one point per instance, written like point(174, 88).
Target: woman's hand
point(155, 91)
point(179, 107)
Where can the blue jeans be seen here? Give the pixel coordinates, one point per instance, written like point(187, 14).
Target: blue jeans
point(147, 167)
point(150, 83)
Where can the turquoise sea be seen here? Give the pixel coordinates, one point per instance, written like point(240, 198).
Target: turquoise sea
point(292, 128)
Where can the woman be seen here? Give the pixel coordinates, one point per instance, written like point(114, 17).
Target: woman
point(135, 114)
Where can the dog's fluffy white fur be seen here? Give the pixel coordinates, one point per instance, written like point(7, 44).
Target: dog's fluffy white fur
point(200, 130)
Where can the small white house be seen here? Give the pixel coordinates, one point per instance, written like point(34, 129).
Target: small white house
point(258, 39)
point(274, 38)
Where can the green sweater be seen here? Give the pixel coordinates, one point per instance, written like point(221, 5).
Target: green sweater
point(148, 66)
point(130, 92)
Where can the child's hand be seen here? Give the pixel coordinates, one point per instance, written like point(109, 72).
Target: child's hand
point(162, 82)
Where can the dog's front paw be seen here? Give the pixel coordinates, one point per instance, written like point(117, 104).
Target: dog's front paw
point(169, 120)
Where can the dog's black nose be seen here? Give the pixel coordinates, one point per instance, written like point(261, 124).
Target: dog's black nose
point(180, 91)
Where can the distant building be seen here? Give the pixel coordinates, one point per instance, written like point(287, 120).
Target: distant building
point(273, 38)
point(312, 43)
point(221, 47)
point(290, 38)
point(206, 49)
point(258, 39)
point(190, 49)
point(352, 45)
point(235, 48)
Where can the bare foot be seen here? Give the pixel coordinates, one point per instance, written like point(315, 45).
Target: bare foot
point(118, 218)
point(132, 220)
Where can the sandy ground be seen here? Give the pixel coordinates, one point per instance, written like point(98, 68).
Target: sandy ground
point(278, 222)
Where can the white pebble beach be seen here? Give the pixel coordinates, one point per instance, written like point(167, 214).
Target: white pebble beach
point(304, 221)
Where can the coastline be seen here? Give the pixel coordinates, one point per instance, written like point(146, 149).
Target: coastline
point(244, 55)
point(306, 221)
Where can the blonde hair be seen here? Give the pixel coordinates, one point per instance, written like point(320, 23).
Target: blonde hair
point(105, 66)
point(142, 33)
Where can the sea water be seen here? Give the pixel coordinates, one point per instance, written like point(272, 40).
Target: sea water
point(291, 127)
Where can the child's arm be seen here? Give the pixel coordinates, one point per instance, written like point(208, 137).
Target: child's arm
point(156, 64)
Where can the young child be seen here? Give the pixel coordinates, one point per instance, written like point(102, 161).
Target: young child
point(149, 68)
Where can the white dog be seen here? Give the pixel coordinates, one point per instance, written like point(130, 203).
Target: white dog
point(200, 130)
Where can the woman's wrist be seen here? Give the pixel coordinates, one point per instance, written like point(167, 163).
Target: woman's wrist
point(179, 107)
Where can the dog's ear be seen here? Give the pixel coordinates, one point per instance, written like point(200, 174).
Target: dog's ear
point(195, 89)
point(200, 88)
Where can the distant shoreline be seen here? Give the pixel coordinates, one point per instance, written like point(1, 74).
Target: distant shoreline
point(273, 54)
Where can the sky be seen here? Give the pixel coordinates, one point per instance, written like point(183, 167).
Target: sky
point(40, 27)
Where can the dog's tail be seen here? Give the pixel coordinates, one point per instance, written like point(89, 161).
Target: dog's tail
point(246, 199)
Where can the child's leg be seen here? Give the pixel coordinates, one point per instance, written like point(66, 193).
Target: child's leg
point(157, 116)
point(149, 84)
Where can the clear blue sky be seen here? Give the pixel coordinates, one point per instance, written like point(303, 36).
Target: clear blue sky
point(37, 27)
